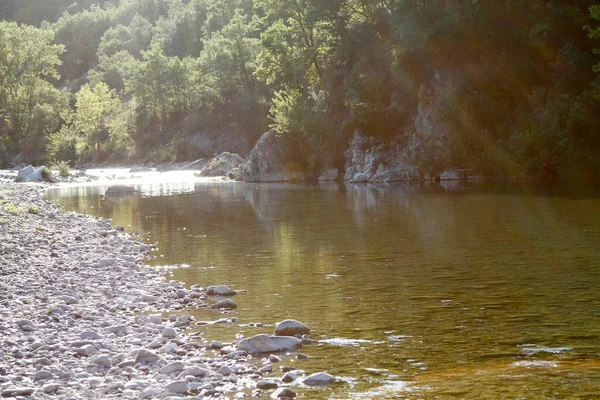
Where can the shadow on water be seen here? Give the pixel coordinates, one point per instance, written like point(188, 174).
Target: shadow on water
point(458, 291)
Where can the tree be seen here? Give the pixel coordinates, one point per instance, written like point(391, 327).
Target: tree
point(29, 104)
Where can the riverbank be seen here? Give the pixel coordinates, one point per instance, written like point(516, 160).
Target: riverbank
point(83, 317)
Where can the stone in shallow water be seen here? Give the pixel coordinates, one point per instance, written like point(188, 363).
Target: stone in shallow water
point(319, 379)
point(291, 327)
point(220, 290)
point(265, 384)
point(283, 392)
point(269, 344)
point(228, 304)
point(289, 377)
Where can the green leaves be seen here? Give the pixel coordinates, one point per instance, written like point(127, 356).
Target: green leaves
point(29, 104)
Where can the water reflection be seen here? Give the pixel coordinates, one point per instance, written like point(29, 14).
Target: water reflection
point(427, 285)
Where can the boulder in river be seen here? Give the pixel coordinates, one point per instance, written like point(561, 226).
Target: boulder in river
point(319, 379)
point(291, 327)
point(220, 290)
point(275, 158)
point(269, 344)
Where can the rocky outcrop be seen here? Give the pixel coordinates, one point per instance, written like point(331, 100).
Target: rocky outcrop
point(274, 159)
point(422, 149)
point(222, 165)
point(329, 174)
point(370, 159)
point(32, 174)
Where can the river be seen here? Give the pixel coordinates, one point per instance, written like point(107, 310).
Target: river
point(414, 292)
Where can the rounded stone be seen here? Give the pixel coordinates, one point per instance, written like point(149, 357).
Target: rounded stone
point(291, 327)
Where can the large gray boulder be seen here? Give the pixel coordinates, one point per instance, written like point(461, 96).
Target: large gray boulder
point(32, 174)
point(221, 165)
point(275, 158)
point(291, 327)
point(269, 344)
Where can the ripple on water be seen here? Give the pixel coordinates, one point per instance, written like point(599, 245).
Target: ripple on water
point(347, 342)
point(532, 349)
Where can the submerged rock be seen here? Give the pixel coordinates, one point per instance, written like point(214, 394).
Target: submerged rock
point(227, 304)
point(269, 344)
point(283, 392)
point(291, 327)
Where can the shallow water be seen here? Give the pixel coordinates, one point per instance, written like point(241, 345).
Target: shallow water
point(414, 292)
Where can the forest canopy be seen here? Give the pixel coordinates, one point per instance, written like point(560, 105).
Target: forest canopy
point(513, 83)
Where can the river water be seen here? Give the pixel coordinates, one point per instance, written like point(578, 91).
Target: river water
point(413, 291)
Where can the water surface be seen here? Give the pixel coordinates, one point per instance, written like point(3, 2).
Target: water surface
point(414, 291)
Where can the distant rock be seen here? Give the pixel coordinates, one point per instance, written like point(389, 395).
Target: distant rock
point(269, 344)
point(221, 165)
point(275, 158)
point(291, 327)
point(117, 190)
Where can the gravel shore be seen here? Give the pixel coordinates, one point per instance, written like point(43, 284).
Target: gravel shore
point(81, 317)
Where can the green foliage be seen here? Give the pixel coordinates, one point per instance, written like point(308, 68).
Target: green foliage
point(29, 104)
point(63, 168)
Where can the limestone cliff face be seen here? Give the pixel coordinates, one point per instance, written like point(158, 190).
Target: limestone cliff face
point(421, 150)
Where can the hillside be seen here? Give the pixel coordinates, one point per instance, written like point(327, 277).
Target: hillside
point(498, 88)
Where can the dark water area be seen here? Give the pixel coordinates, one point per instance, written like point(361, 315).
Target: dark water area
point(413, 291)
